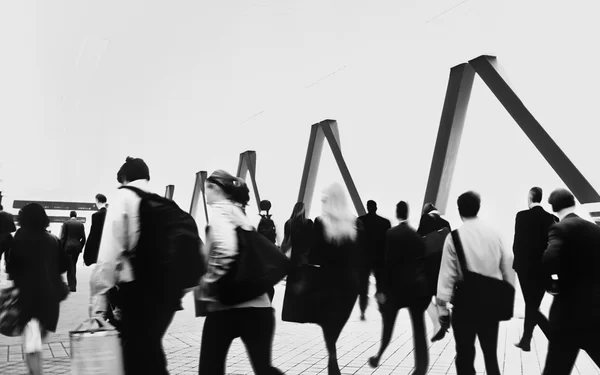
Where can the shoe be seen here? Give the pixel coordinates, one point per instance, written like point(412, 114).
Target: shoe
point(374, 361)
point(362, 317)
point(439, 335)
point(524, 346)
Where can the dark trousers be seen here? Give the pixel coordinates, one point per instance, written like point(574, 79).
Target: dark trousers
point(256, 328)
point(466, 328)
point(533, 293)
point(144, 322)
point(567, 338)
point(365, 275)
point(417, 318)
point(72, 271)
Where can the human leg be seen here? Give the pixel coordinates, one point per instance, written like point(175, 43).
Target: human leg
point(487, 332)
point(464, 336)
point(388, 319)
point(220, 329)
point(417, 318)
point(257, 331)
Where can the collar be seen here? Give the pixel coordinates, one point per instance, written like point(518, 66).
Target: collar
point(142, 184)
point(403, 222)
point(535, 205)
point(564, 212)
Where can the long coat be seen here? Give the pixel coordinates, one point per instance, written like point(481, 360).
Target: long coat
point(35, 265)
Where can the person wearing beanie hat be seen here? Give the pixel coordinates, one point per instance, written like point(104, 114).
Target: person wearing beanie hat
point(253, 321)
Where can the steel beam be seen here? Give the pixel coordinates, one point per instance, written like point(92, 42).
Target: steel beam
point(458, 93)
point(326, 129)
point(199, 187)
point(247, 164)
point(486, 68)
point(169, 191)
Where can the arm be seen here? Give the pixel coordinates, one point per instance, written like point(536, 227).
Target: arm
point(518, 236)
point(551, 257)
point(449, 273)
point(506, 262)
point(63, 234)
point(82, 239)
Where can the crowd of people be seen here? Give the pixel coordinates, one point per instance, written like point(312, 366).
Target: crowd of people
point(462, 278)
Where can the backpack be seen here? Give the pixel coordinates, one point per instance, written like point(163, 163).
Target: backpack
point(266, 227)
point(168, 257)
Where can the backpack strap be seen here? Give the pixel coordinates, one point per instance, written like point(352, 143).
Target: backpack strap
point(460, 252)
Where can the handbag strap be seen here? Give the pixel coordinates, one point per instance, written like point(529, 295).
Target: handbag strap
point(460, 252)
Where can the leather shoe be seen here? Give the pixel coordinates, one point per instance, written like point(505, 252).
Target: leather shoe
point(374, 361)
point(524, 346)
point(439, 335)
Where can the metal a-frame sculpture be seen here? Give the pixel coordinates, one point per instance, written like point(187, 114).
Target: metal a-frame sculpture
point(326, 129)
point(169, 191)
point(199, 187)
point(247, 164)
point(452, 122)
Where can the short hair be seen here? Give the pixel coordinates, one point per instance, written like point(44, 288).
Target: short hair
point(536, 194)
point(265, 205)
point(33, 216)
point(101, 198)
point(469, 204)
point(560, 199)
point(133, 169)
point(371, 205)
point(402, 210)
point(73, 214)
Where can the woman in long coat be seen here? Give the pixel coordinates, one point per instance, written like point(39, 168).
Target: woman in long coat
point(35, 265)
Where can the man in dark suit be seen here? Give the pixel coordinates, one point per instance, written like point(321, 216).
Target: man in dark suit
point(531, 239)
point(404, 285)
point(573, 254)
point(431, 220)
point(373, 253)
point(90, 255)
point(72, 237)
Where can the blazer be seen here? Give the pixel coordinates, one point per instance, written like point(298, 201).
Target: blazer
point(531, 239)
point(90, 255)
point(573, 254)
point(431, 223)
point(404, 273)
point(375, 228)
point(72, 236)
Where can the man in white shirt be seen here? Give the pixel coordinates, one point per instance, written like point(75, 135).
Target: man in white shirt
point(485, 254)
point(144, 316)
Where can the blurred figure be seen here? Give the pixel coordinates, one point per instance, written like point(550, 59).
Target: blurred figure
point(372, 253)
point(72, 236)
point(434, 230)
point(266, 227)
point(336, 249)
point(253, 321)
point(531, 239)
point(90, 255)
point(7, 227)
point(35, 265)
point(485, 254)
point(572, 254)
point(298, 236)
point(404, 285)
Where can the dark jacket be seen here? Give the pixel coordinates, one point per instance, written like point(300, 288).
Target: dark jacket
point(35, 265)
point(299, 235)
point(375, 228)
point(7, 226)
point(573, 254)
point(531, 239)
point(72, 236)
point(431, 222)
point(90, 255)
point(405, 280)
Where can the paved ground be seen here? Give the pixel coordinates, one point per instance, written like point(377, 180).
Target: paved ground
point(298, 349)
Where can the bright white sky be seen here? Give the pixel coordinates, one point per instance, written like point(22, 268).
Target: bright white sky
point(189, 85)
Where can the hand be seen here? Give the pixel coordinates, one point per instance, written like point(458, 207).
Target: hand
point(380, 297)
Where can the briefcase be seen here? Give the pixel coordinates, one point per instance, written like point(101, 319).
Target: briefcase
point(96, 350)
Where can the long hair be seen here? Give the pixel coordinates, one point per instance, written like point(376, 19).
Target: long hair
point(338, 222)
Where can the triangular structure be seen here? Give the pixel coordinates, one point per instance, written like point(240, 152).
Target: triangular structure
point(452, 122)
point(199, 187)
point(169, 191)
point(326, 129)
point(247, 164)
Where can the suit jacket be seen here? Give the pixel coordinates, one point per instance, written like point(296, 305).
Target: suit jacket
point(90, 255)
point(375, 228)
point(405, 279)
point(573, 254)
point(431, 223)
point(531, 239)
point(72, 236)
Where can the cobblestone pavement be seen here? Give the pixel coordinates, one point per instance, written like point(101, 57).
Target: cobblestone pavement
point(298, 348)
